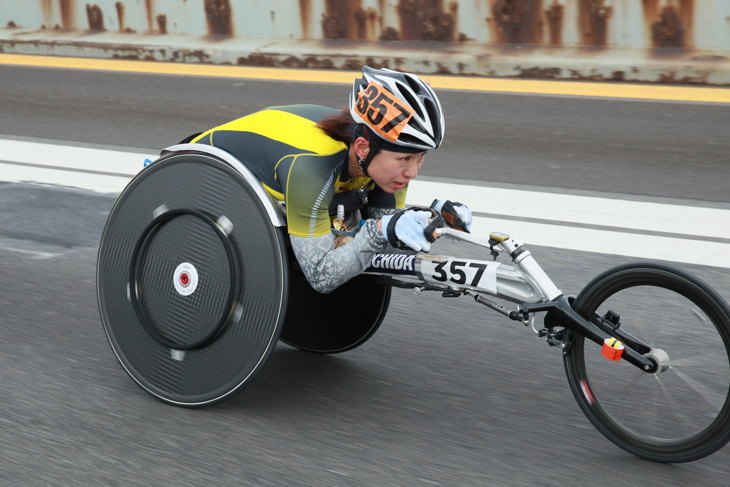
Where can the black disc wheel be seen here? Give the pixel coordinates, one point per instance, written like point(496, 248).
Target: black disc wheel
point(191, 280)
point(681, 412)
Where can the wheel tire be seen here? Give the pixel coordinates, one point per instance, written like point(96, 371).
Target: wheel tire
point(668, 432)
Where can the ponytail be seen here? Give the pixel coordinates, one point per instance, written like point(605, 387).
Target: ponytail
point(338, 126)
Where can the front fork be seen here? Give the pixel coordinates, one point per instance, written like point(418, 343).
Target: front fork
point(560, 312)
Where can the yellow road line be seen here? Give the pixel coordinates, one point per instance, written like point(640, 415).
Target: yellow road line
point(470, 83)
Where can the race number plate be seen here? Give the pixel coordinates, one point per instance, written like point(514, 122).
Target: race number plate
point(384, 113)
point(446, 271)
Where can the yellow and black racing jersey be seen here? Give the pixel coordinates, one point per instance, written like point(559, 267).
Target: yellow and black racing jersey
point(297, 163)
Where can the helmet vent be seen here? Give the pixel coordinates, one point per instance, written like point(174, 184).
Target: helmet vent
point(409, 139)
point(415, 86)
point(433, 113)
point(408, 98)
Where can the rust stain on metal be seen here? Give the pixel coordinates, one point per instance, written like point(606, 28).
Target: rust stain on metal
point(668, 31)
point(120, 15)
point(292, 62)
point(453, 9)
point(390, 34)
point(686, 13)
point(651, 13)
point(256, 59)
point(554, 15)
point(594, 15)
point(150, 11)
point(673, 26)
point(426, 20)
point(340, 19)
point(651, 9)
point(47, 14)
point(67, 14)
point(218, 15)
point(367, 22)
point(538, 72)
point(186, 55)
point(671, 77)
point(272, 60)
point(305, 7)
point(360, 22)
point(386, 33)
point(95, 17)
point(162, 24)
point(517, 21)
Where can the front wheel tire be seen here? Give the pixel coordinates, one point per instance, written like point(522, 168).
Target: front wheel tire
point(679, 414)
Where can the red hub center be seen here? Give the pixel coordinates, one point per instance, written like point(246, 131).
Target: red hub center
point(184, 279)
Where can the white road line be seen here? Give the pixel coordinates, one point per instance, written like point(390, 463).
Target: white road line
point(672, 219)
point(703, 222)
point(715, 254)
point(93, 182)
point(64, 156)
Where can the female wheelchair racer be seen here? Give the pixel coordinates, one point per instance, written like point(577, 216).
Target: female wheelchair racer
point(224, 245)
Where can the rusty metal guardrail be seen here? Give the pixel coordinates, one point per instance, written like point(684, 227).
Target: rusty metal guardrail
point(643, 40)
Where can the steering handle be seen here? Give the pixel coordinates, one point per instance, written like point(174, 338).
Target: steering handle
point(448, 217)
point(430, 231)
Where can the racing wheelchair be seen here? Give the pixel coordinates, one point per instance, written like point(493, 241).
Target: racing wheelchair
point(196, 283)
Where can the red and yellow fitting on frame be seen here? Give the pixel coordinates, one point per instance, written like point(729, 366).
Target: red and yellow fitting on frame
point(612, 349)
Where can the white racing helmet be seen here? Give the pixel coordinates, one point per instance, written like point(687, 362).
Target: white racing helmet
point(400, 108)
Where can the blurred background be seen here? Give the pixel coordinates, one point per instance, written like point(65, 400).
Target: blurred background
point(644, 40)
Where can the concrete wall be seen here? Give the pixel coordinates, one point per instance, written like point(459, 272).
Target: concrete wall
point(454, 36)
point(700, 24)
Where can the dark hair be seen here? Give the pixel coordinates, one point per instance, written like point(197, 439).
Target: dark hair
point(338, 126)
point(341, 126)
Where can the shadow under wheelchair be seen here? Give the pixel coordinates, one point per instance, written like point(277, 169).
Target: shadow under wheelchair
point(317, 328)
point(292, 376)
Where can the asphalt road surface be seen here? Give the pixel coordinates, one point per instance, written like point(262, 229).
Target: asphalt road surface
point(445, 393)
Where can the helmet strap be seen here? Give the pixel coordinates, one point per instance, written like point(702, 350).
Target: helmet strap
point(373, 140)
point(374, 146)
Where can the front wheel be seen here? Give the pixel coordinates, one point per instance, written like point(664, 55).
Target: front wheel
point(681, 412)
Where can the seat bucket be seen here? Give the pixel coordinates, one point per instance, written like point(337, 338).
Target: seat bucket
point(335, 322)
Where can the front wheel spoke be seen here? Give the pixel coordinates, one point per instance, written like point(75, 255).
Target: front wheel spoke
point(674, 407)
point(632, 384)
point(714, 399)
point(704, 361)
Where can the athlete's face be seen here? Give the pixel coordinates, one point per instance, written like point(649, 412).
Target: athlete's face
point(392, 171)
